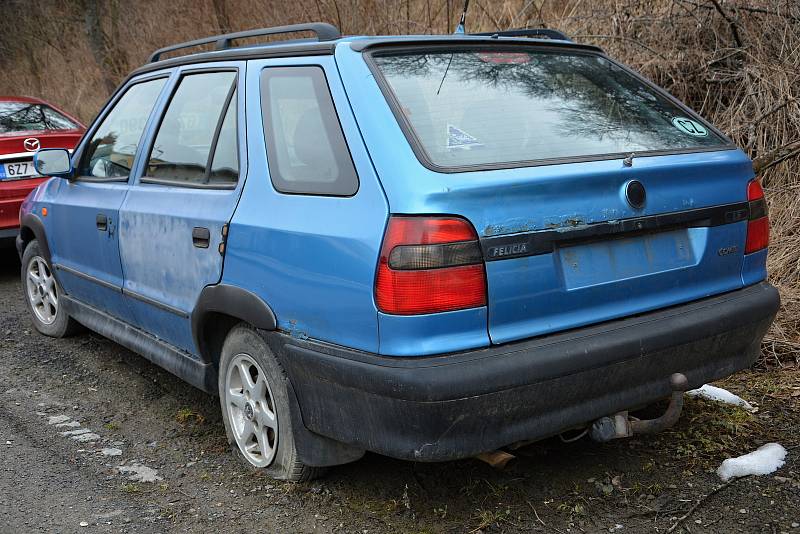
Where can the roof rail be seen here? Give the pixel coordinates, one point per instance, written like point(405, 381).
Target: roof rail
point(324, 31)
point(530, 32)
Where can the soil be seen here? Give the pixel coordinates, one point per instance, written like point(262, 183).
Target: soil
point(174, 471)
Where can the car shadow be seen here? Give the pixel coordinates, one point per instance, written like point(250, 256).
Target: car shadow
point(9, 262)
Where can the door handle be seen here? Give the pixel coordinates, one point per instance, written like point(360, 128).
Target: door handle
point(200, 237)
point(102, 222)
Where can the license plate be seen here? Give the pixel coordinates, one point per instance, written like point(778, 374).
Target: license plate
point(17, 170)
point(600, 262)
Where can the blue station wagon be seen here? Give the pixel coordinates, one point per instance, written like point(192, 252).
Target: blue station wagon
point(428, 247)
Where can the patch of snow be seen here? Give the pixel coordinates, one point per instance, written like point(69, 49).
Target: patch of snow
point(720, 395)
point(763, 461)
point(140, 473)
point(55, 419)
point(111, 451)
point(75, 432)
point(89, 436)
point(68, 424)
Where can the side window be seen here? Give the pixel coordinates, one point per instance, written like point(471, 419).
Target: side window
point(306, 149)
point(196, 143)
point(110, 152)
point(225, 164)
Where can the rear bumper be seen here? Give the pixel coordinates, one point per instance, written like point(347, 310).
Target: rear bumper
point(12, 195)
point(458, 405)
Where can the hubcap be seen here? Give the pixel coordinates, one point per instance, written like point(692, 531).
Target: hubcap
point(42, 291)
point(251, 410)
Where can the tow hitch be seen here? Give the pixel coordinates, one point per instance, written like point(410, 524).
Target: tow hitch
point(621, 425)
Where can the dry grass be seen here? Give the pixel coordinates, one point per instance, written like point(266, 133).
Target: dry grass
point(737, 62)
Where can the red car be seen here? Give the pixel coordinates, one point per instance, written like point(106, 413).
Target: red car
point(26, 125)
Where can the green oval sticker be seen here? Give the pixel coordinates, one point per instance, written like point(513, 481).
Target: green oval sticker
point(688, 126)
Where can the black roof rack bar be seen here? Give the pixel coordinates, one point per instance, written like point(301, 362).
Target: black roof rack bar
point(530, 32)
point(324, 31)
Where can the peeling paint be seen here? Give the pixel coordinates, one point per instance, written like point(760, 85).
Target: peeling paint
point(570, 221)
point(294, 331)
point(511, 227)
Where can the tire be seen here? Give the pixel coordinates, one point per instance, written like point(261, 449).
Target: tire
point(255, 407)
point(42, 292)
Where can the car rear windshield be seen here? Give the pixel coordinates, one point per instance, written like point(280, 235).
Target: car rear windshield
point(24, 116)
point(485, 108)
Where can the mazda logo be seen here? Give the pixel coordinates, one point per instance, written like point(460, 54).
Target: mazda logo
point(31, 144)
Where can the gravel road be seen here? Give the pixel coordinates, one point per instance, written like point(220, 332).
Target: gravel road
point(94, 438)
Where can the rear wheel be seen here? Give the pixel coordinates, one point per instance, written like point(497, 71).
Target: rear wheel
point(43, 295)
point(255, 407)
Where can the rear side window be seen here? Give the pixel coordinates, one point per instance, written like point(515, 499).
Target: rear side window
point(196, 143)
point(26, 116)
point(306, 149)
point(110, 152)
point(485, 108)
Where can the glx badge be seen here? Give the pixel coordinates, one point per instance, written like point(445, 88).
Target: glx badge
point(728, 250)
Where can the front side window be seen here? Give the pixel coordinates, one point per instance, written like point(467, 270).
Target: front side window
point(468, 108)
point(306, 149)
point(196, 143)
point(26, 117)
point(110, 152)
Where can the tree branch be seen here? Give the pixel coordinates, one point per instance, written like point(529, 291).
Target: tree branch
point(701, 500)
point(731, 22)
point(773, 157)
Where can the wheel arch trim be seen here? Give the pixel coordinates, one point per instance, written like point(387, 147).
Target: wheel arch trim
point(232, 301)
point(31, 222)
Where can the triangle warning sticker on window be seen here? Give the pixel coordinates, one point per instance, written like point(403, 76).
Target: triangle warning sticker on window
point(458, 138)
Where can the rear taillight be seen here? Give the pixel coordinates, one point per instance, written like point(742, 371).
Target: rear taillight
point(758, 222)
point(429, 265)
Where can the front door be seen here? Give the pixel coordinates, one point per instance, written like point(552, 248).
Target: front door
point(172, 220)
point(83, 223)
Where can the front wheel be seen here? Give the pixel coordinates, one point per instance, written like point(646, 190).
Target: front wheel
point(255, 407)
point(43, 295)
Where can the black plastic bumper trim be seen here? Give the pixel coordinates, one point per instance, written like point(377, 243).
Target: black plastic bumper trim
point(458, 405)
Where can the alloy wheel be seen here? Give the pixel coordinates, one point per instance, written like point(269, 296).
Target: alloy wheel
point(251, 410)
point(42, 290)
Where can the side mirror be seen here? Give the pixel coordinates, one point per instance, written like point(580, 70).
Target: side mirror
point(53, 162)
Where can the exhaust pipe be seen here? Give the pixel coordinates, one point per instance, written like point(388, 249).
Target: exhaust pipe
point(620, 425)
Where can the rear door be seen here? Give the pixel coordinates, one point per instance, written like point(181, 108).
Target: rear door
point(595, 194)
point(83, 222)
point(188, 185)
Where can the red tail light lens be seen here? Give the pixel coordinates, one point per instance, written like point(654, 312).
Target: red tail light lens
point(430, 265)
point(758, 222)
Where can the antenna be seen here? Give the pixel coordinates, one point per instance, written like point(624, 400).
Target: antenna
point(461, 29)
